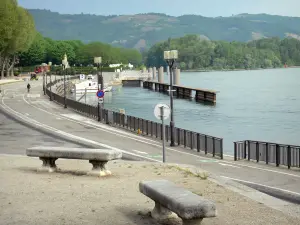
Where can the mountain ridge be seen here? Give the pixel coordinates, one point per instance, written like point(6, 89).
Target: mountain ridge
point(143, 30)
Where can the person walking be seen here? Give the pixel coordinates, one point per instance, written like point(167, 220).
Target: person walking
point(28, 87)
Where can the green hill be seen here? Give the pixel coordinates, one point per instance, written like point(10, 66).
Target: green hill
point(144, 30)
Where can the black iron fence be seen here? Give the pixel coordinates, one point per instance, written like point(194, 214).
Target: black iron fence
point(188, 139)
point(279, 154)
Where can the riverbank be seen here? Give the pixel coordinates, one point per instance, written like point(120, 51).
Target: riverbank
point(72, 197)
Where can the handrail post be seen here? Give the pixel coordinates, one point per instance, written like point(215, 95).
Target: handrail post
point(235, 151)
point(267, 153)
point(289, 156)
point(167, 133)
point(245, 149)
point(142, 127)
point(257, 151)
point(147, 127)
point(249, 152)
point(198, 142)
point(191, 140)
point(179, 136)
point(214, 147)
point(184, 138)
point(151, 128)
point(205, 145)
point(221, 148)
point(277, 155)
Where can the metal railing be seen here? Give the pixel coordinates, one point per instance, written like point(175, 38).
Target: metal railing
point(279, 154)
point(188, 139)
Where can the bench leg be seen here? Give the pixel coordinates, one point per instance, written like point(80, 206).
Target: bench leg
point(192, 222)
point(161, 213)
point(99, 168)
point(48, 164)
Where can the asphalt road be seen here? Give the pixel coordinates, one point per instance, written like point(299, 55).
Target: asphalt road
point(36, 109)
point(15, 137)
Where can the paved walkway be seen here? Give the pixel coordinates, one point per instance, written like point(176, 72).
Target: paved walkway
point(35, 108)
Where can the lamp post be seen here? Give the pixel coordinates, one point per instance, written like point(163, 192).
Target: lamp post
point(44, 85)
point(171, 57)
point(98, 62)
point(51, 97)
point(64, 64)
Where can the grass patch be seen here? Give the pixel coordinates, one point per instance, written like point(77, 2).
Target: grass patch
point(187, 172)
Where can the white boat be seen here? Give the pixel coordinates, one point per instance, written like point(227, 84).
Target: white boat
point(89, 87)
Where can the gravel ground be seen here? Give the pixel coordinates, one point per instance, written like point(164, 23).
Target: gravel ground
point(71, 197)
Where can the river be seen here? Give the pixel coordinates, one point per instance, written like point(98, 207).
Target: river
point(257, 105)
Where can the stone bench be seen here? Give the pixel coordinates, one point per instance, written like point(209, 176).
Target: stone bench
point(168, 198)
point(97, 157)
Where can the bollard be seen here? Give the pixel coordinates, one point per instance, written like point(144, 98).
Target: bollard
point(154, 73)
point(150, 71)
point(161, 75)
point(176, 76)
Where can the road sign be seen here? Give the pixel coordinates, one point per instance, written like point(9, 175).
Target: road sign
point(100, 94)
point(157, 111)
point(100, 100)
point(82, 77)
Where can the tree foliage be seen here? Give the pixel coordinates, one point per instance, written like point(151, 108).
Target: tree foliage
point(198, 53)
point(17, 31)
point(47, 50)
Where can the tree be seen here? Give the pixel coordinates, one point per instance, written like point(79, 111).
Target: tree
point(198, 53)
point(36, 54)
point(17, 32)
point(58, 49)
point(22, 39)
point(8, 25)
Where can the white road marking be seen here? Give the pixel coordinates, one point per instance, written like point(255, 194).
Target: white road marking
point(223, 164)
point(144, 153)
point(275, 188)
point(33, 95)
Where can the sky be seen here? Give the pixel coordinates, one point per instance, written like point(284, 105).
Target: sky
point(209, 8)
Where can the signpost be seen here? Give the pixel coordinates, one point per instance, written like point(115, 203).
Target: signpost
point(100, 95)
point(82, 77)
point(162, 112)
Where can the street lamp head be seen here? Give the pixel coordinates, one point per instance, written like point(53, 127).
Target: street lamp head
point(167, 55)
point(97, 60)
point(174, 54)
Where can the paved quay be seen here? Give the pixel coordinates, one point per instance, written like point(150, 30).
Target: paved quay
point(70, 197)
point(37, 110)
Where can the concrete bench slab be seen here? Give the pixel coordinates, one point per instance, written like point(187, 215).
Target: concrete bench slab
point(97, 157)
point(168, 198)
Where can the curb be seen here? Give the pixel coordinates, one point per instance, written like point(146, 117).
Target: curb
point(279, 200)
point(15, 118)
point(11, 82)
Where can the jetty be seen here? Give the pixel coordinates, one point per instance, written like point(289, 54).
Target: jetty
point(154, 80)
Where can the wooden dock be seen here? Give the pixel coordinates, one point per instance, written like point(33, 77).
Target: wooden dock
point(200, 95)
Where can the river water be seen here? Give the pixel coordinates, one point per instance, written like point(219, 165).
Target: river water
point(257, 105)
